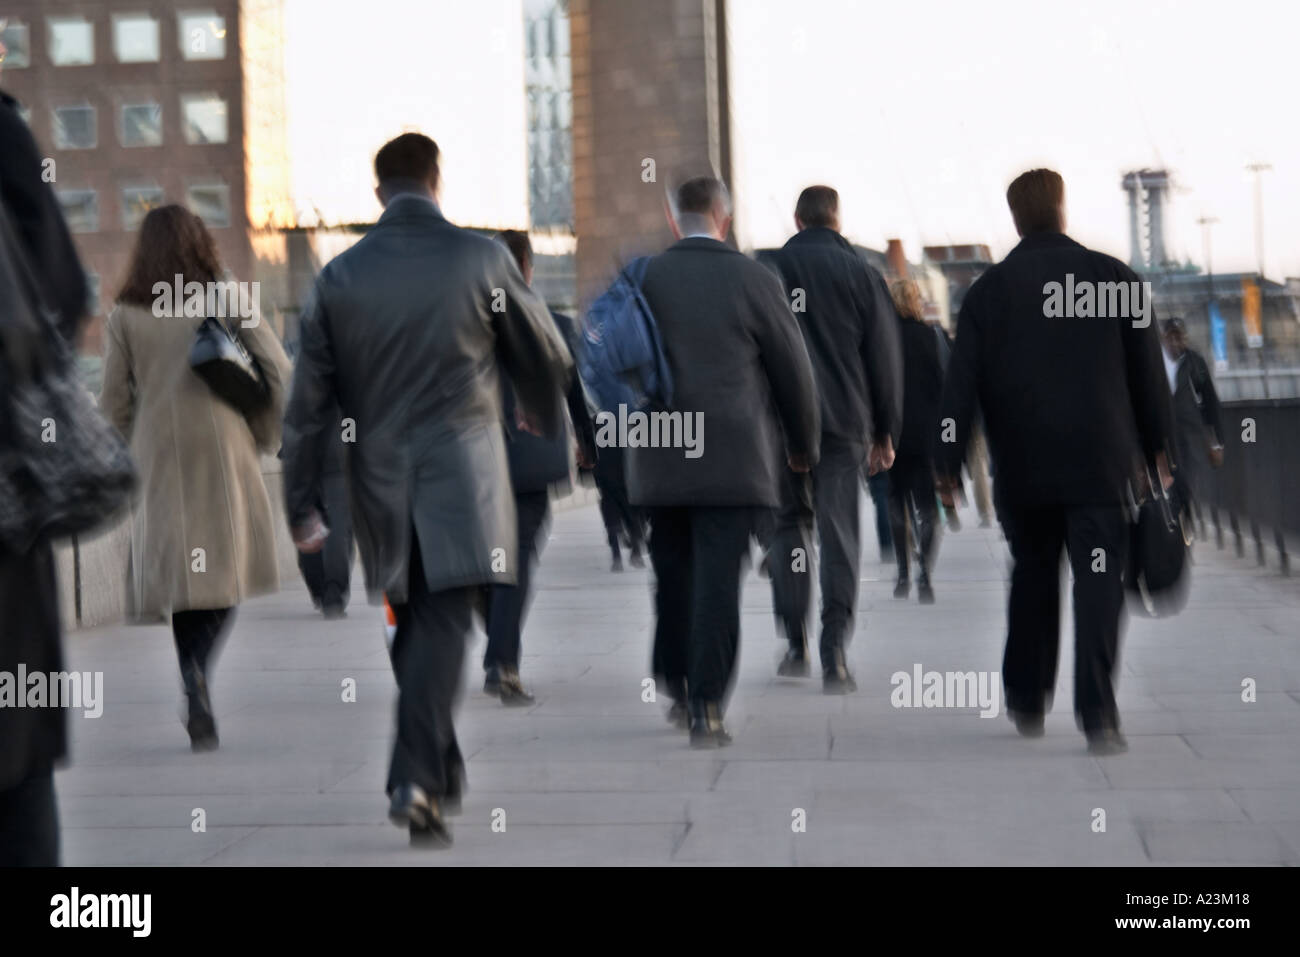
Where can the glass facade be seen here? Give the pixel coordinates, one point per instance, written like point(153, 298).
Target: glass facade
point(549, 90)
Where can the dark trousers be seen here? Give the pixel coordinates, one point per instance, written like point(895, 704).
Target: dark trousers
point(618, 514)
point(428, 654)
point(507, 604)
point(1036, 537)
point(199, 635)
point(912, 499)
point(878, 486)
point(29, 823)
point(697, 555)
point(328, 572)
point(831, 492)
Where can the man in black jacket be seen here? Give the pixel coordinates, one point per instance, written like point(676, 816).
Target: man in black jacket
point(537, 463)
point(1055, 345)
point(408, 335)
point(32, 740)
point(1198, 423)
point(739, 367)
point(851, 331)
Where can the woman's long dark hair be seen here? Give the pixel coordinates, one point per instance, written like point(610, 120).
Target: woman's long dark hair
point(173, 241)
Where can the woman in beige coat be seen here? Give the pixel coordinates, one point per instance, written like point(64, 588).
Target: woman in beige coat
point(202, 538)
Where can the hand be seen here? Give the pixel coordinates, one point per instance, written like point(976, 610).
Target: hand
point(881, 457)
point(798, 463)
point(583, 456)
point(24, 350)
point(524, 423)
point(1216, 455)
point(945, 485)
point(1162, 469)
point(309, 537)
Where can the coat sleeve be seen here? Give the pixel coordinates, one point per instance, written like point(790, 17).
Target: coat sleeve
point(117, 393)
point(529, 346)
point(1148, 386)
point(266, 348)
point(1211, 410)
point(584, 430)
point(960, 399)
point(882, 358)
point(787, 367)
point(312, 412)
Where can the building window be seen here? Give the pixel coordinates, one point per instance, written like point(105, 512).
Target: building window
point(80, 209)
point(202, 35)
point(141, 124)
point(75, 128)
point(203, 118)
point(135, 38)
point(72, 41)
point(136, 203)
point(16, 38)
point(211, 203)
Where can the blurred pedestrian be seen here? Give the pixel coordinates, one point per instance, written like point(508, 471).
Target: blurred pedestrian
point(33, 741)
point(202, 536)
point(1070, 406)
point(624, 522)
point(912, 501)
point(1198, 422)
point(739, 366)
point(409, 333)
point(851, 332)
point(538, 466)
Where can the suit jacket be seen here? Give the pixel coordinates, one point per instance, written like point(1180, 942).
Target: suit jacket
point(407, 333)
point(850, 327)
point(738, 360)
point(1069, 404)
point(1197, 416)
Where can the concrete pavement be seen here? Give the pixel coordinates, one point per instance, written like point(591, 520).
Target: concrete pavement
point(593, 774)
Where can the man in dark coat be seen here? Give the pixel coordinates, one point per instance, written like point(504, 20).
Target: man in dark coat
point(739, 368)
point(32, 740)
point(1056, 346)
point(850, 328)
point(1198, 422)
point(537, 465)
point(408, 334)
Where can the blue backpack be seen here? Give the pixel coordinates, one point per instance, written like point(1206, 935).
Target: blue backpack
point(623, 361)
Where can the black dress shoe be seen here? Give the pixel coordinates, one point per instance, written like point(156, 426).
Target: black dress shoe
point(413, 809)
point(795, 663)
point(203, 733)
point(1028, 723)
point(679, 716)
point(511, 690)
point(901, 588)
point(492, 682)
point(1106, 741)
point(707, 730)
point(635, 560)
point(836, 677)
point(200, 723)
point(924, 591)
point(617, 564)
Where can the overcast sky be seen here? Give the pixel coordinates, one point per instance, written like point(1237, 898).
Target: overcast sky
point(920, 113)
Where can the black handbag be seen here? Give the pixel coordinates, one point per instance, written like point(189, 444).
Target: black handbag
point(220, 360)
point(1156, 579)
point(64, 470)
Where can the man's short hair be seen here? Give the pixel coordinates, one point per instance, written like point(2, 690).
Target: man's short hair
point(410, 158)
point(698, 197)
point(520, 246)
point(818, 206)
point(1175, 326)
point(1035, 199)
